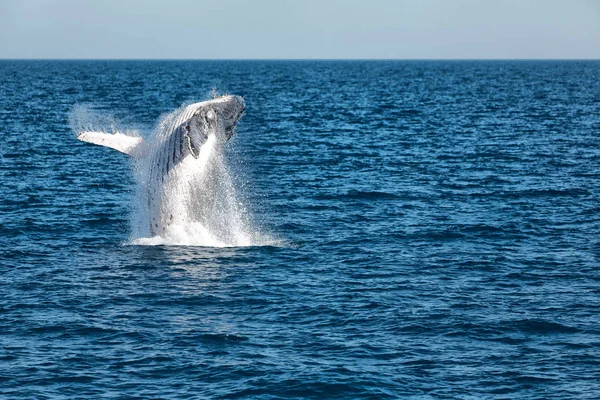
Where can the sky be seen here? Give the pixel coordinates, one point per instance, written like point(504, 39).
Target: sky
point(300, 29)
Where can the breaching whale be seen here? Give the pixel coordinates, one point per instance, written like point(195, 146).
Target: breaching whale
point(180, 142)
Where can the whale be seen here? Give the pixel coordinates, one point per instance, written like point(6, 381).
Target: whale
point(167, 158)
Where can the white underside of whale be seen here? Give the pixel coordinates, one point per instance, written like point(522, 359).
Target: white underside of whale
point(118, 141)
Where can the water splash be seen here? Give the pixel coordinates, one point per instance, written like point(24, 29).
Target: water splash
point(197, 204)
point(84, 117)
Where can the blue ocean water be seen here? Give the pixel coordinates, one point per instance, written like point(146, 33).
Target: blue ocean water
point(437, 230)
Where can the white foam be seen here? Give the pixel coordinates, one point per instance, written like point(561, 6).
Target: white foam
point(197, 205)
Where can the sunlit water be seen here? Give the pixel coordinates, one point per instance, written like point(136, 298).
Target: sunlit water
point(384, 230)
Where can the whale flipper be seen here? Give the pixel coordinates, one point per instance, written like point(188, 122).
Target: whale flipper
point(118, 141)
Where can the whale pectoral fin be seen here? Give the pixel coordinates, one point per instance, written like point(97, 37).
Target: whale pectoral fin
point(118, 141)
point(193, 142)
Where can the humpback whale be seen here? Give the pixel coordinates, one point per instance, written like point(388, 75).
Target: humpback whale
point(182, 141)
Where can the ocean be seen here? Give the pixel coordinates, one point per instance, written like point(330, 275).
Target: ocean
point(427, 230)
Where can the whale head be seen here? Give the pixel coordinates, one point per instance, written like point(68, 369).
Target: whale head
point(218, 116)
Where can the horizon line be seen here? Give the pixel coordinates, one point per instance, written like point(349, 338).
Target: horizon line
point(296, 59)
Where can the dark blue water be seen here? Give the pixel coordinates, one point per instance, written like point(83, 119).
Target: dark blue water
point(439, 227)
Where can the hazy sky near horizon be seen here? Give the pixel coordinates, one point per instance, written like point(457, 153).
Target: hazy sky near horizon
point(259, 29)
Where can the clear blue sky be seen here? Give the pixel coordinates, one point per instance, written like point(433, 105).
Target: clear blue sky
point(405, 29)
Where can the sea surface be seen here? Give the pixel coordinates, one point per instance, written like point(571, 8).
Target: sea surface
point(435, 226)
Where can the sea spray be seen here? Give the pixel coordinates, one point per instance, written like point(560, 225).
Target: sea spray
point(84, 117)
point(197, 203)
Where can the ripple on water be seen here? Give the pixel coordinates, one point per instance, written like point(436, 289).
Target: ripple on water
point(431, 234)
